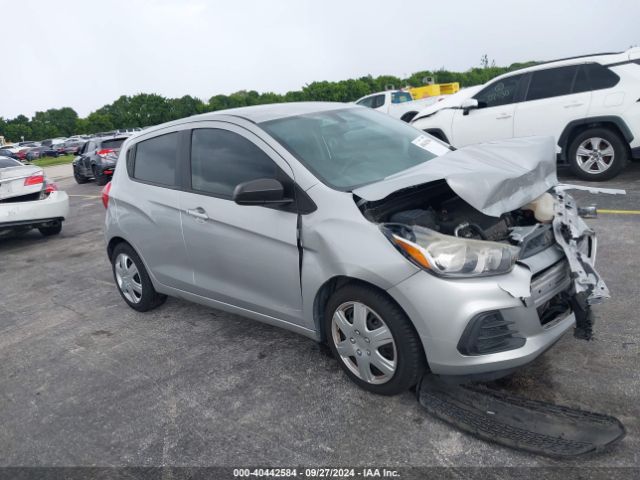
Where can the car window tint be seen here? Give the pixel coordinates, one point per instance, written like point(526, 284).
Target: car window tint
point(378, 101)
point(155, 159)
point(600, 77)
point(551, 82)
point(116, 143)
point(220, 160)
point(366, 102)
point(500, 92)
point(581, 83)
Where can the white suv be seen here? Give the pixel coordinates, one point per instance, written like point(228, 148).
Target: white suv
point(590, 104)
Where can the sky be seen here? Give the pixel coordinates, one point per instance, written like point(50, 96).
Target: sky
point(85, 53)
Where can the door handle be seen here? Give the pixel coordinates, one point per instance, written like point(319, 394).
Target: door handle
point(504, 116)
point(198, 213)
point(576, 104)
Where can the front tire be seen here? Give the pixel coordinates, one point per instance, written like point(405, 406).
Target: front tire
point(80, 179)
point(597, 154)
point(373, 340)
point(132, 279)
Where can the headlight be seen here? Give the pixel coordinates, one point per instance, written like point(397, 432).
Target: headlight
point(450, 256)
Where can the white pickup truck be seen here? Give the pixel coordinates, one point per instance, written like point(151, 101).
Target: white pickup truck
point(397, 103)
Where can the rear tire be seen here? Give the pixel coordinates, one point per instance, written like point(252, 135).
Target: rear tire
point(51, 230)
point(132, 279)
point(405, 359)
point(597, 154)
point(100, 178)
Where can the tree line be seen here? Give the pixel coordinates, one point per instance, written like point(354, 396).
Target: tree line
point(145, 109)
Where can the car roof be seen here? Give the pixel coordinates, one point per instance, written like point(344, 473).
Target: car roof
point(260, 113)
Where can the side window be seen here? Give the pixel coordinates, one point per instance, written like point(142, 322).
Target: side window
point(155, 159)
point(366, 102)
point(552, 82)
point(378, 101)
point(220, 160)
point(581, 83)
point(501, 92)
point(600, 77)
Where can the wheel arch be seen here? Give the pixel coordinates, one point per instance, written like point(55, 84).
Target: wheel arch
point(575, 127)
point(335, 283)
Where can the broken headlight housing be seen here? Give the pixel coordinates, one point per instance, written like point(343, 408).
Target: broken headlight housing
point(450, 256)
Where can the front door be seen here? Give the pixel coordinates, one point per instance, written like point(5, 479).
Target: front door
point(246, 256)
point(493, 119)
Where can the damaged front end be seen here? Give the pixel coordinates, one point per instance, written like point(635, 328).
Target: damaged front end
point(484, 209)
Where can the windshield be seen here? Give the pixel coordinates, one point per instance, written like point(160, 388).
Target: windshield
point(348, 148)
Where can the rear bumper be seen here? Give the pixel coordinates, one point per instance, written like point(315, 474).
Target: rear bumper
point(635, 153)
point(25, 214)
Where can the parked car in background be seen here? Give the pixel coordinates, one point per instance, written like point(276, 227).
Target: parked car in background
point(97, 159)
point(589, 104)
point(53, 141)
point(42, 151)
point(73, 146)
point(9, 152)
point(397, 103)
point(29, 200)
point(395, 250)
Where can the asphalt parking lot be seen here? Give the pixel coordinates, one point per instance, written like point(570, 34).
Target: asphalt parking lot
point(88, 381)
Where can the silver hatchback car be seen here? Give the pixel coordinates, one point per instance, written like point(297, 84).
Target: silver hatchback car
point(350, 227)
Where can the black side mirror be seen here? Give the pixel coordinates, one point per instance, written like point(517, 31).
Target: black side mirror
point(260, 192)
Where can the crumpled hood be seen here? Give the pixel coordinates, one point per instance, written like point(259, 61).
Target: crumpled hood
point(494, 178)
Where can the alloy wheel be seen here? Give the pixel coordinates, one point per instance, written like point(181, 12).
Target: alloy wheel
point(595, 155)
point(364, 343)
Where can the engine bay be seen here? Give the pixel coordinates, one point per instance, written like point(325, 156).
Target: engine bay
point(436, 207)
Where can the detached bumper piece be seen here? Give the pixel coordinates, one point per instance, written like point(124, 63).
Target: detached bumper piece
point(516, 422)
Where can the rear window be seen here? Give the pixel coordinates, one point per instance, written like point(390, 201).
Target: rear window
point(155, 160)
point(8, 162)
point(115, 143)
point(593, 76)
point(401, 97)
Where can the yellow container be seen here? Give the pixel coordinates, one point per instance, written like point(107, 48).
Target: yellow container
point(434, 90)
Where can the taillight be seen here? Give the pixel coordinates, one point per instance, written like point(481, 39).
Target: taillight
point(105, 194)
point(51, 187)
point(105, 151)
point(34, 180)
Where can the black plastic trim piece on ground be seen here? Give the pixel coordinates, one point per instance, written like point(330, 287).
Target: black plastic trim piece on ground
point(530, 425)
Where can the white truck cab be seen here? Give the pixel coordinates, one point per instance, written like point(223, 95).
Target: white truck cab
point(397, 103)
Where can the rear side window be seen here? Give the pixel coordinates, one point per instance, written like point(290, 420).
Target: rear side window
point(551, 83)
point(155, 160)
point(220, 160)
point(593, 76)
point(500, 92)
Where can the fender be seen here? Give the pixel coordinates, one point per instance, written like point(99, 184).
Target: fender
point(563, 140)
